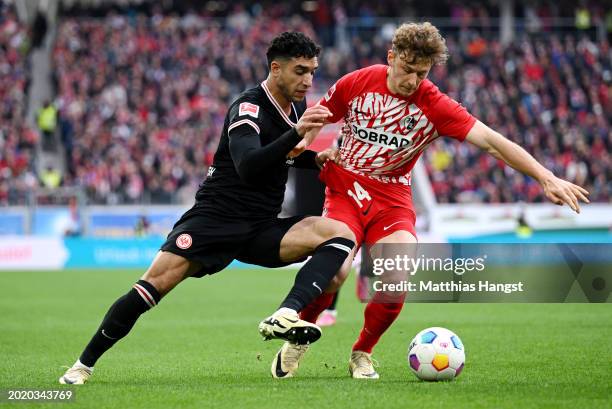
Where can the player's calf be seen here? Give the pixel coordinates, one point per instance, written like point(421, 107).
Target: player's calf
point(166, 271)
point(316, 275)
point(116, 324)
point(310, 282)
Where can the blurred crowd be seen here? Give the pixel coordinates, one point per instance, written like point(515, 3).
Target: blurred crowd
point(145, 97)
point(551, 94)
point(142, 95)
point(17, 141)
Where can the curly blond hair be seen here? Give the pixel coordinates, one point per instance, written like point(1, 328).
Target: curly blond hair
point(420, 41)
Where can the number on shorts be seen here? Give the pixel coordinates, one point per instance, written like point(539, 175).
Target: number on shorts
point(359, 194)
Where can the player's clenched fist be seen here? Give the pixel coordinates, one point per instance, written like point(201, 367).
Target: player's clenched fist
point(330, 154)
point(308, 127)
point(312, 119)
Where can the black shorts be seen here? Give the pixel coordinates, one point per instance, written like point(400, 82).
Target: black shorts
point(215, 242)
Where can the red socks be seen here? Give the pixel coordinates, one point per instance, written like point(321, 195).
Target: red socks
point(311, 312)
point(378, 317)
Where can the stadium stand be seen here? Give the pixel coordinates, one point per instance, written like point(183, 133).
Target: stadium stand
point(141, 111)
point(147, 99)
point(550, 93)
point(17, 140)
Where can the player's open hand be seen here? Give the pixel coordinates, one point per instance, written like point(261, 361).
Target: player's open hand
point(330, 154)
point(561, 192)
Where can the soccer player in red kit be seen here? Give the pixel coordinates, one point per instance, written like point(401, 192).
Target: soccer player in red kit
point(391, 114)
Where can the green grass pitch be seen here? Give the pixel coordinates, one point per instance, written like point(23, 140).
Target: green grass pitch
point(200, 348)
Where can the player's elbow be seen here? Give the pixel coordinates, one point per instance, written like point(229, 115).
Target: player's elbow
point(245, 176)
point(494, 144)
point(494, 152)
point(248, 173)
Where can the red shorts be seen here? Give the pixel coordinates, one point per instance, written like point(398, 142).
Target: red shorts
point(371, 209)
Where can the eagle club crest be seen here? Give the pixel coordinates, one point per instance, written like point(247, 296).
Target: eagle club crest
point(408, 123)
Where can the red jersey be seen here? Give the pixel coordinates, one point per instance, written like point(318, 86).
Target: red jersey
point(384, 133)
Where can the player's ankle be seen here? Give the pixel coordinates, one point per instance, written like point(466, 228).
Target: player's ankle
point(285, 311)
point(80, 364)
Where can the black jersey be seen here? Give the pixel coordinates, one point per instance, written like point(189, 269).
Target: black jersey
point(249, 172)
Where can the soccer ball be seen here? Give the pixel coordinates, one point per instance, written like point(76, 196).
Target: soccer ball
point(436, 354)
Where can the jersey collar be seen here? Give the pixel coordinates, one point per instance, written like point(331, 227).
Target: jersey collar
point(277, 106)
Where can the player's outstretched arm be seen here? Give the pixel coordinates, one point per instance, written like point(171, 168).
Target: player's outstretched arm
point(557, 190)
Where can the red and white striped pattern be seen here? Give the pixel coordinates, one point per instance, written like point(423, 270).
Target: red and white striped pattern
point(146, 295)
point(384, 114)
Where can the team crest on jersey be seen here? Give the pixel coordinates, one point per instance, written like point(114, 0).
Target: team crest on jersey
point(246, 108)
point(408, 123)
point(184, 241)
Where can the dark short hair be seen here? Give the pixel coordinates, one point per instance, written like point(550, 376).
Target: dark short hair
point(291, 45)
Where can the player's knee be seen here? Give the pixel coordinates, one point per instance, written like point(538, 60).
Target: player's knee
point(344, 232)
point(163, 283)
point(334, 229)
point(166, 272)
point(392, 300)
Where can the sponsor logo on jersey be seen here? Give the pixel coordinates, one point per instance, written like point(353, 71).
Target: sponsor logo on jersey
point(184, 241)
point(386, 139)
point(246, 108)
point(210, 172)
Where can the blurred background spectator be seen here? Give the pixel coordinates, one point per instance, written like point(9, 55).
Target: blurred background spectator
point(17, 140)
point(142, 90)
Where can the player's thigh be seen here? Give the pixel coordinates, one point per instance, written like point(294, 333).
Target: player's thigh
point(392, 225)
point(204, 242)
point(399, 237)
point(264, 244)
point(308, 234)
point(167, 270)
point(282, 241)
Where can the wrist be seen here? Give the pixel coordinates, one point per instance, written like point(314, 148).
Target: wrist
point(300, 132)
point(544, 176)
point(319, 161)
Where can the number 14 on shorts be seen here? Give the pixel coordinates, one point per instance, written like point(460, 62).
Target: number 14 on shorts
point(359, 194)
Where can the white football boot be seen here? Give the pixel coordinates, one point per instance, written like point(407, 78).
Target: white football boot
point(78, 374)
point(361, 366)
point(287, 360)
point(289, 327)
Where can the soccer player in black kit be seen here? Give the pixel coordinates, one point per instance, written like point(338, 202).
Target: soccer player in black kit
point(235, 215)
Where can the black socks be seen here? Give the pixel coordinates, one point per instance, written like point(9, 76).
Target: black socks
point(120, 319)
point(314, 277)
